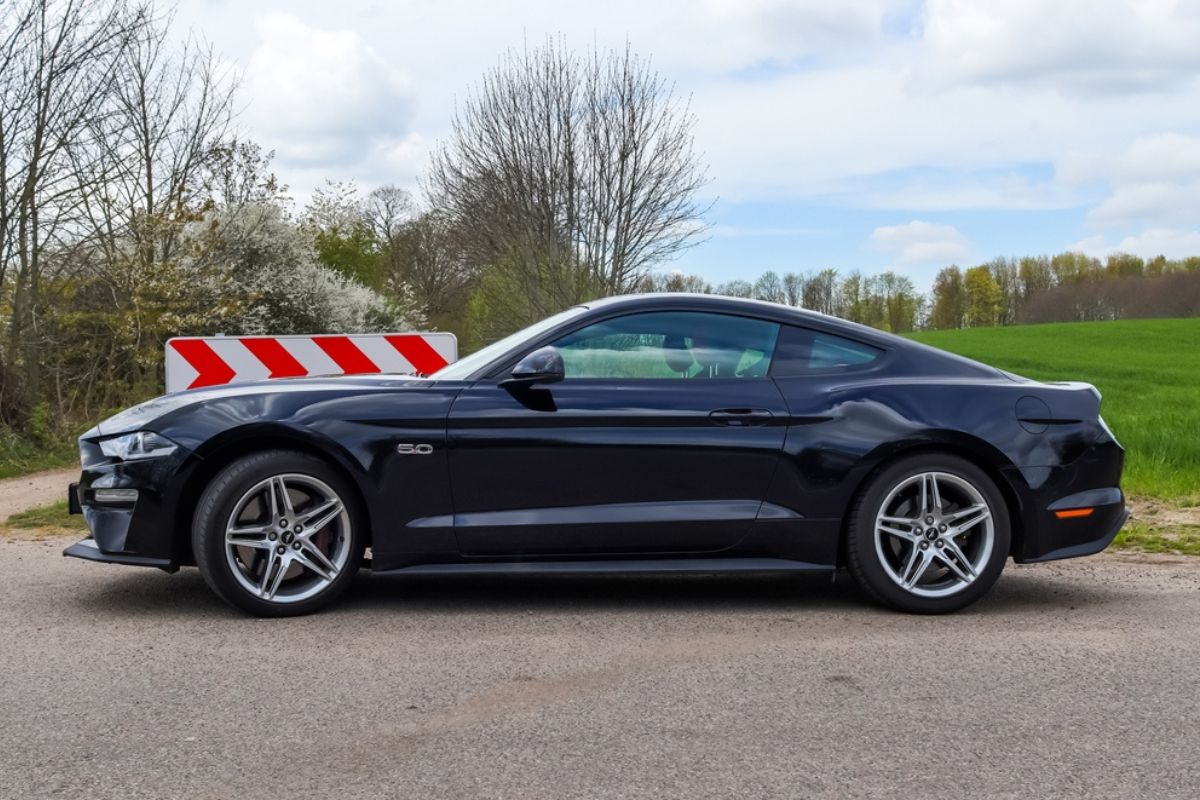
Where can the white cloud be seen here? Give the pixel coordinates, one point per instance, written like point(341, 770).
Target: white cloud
point(759, 31)
point(920, 242)
point(1155, 181)
point(1160, 201)
point(957, 192)
point(323, 98)
point(1075, 45)
point(1169, 242)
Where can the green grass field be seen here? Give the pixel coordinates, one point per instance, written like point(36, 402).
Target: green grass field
point(1147, 370)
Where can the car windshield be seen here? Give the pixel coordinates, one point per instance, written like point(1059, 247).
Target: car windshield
point(466, 366)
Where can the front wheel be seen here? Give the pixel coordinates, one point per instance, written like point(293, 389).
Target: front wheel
point(930, 534)
point(276, 533)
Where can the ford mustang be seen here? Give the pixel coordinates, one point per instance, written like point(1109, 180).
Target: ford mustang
point(655, 433)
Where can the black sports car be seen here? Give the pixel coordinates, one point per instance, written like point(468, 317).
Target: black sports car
point(662, 433)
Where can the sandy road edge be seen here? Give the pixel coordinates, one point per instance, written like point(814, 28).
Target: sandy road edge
point(36, 489)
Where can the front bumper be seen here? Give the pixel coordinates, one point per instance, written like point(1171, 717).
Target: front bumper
point(88, 550)
point(141, 532)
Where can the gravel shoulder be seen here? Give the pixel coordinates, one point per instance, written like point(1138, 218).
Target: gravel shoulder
point(1072, 679)
point(34, 490)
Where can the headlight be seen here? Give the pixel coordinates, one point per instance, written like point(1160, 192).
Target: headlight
point(136, 445)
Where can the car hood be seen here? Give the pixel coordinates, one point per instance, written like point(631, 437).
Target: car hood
point(144, 414)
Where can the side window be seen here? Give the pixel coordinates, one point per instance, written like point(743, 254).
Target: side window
point(801, 351)
point(670, 344)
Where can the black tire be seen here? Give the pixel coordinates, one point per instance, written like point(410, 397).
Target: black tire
point(864, 558)
point(215, 510)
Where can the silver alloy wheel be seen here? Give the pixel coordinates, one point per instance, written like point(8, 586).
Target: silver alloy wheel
point(934, 534)
point(288, 538)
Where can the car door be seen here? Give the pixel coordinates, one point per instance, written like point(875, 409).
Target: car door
point(661, 439)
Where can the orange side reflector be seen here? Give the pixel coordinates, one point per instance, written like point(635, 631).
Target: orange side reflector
point(1072, 513)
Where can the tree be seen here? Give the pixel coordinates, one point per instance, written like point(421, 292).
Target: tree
point(424, 255)
point(769, 287)
point(344, 238)
point(736, 288)
point(675, 281)
point(793, 289)
point(284, 287)
point(577, 175)
point(1124, 265)
point(1005, 273)
point(59, 62)
point(901, 303)
point(853, 301)
point(414, 250)
point(1072, 268)
point(1035, 276)
point(169, 107)
point(387, 210)
point(821, 292)
point(949, 305)
point(984, 297)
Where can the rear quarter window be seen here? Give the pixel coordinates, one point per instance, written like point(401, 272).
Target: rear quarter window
point(801, 351)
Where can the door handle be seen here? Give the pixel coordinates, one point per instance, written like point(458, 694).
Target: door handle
point(741, 417)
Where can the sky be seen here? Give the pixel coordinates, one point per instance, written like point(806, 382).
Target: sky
point(855, 134)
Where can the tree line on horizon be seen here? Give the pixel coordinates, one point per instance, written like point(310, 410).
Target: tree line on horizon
point(1067, 287)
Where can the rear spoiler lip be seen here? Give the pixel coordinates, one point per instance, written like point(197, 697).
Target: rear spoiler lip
point(1075, 386)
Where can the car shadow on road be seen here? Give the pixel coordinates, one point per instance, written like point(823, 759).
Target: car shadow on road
point(609, 593)
point(185, 593)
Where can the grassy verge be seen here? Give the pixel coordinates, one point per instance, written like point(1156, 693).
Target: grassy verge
point(1150, 538)
point(54, 516)
point(44, 521)
point(20, 455)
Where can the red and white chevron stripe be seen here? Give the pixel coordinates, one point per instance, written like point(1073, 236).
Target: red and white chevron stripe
point(194, 362)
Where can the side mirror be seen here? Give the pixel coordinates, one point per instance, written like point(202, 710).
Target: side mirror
point(544, 365)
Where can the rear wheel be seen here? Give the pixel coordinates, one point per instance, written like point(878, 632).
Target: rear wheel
point(930, 534)
point(277, 534)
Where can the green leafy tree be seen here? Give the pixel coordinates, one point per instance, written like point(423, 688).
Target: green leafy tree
point(901, 302)
point(984, 297)
point(1124, 265)
point(949, 305)
point(354, 253)
point(821, 292)
point(1035, 275)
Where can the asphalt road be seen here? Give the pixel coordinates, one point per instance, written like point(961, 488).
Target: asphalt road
point(1077, 679)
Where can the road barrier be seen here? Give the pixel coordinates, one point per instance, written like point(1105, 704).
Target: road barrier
point(194, 362)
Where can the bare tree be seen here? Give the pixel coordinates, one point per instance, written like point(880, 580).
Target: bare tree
point(424, 255)
point(793, 288)
point(576, 175)
point(387, 210)
point(61, 58)
point(168, 111)
point(770, 287)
